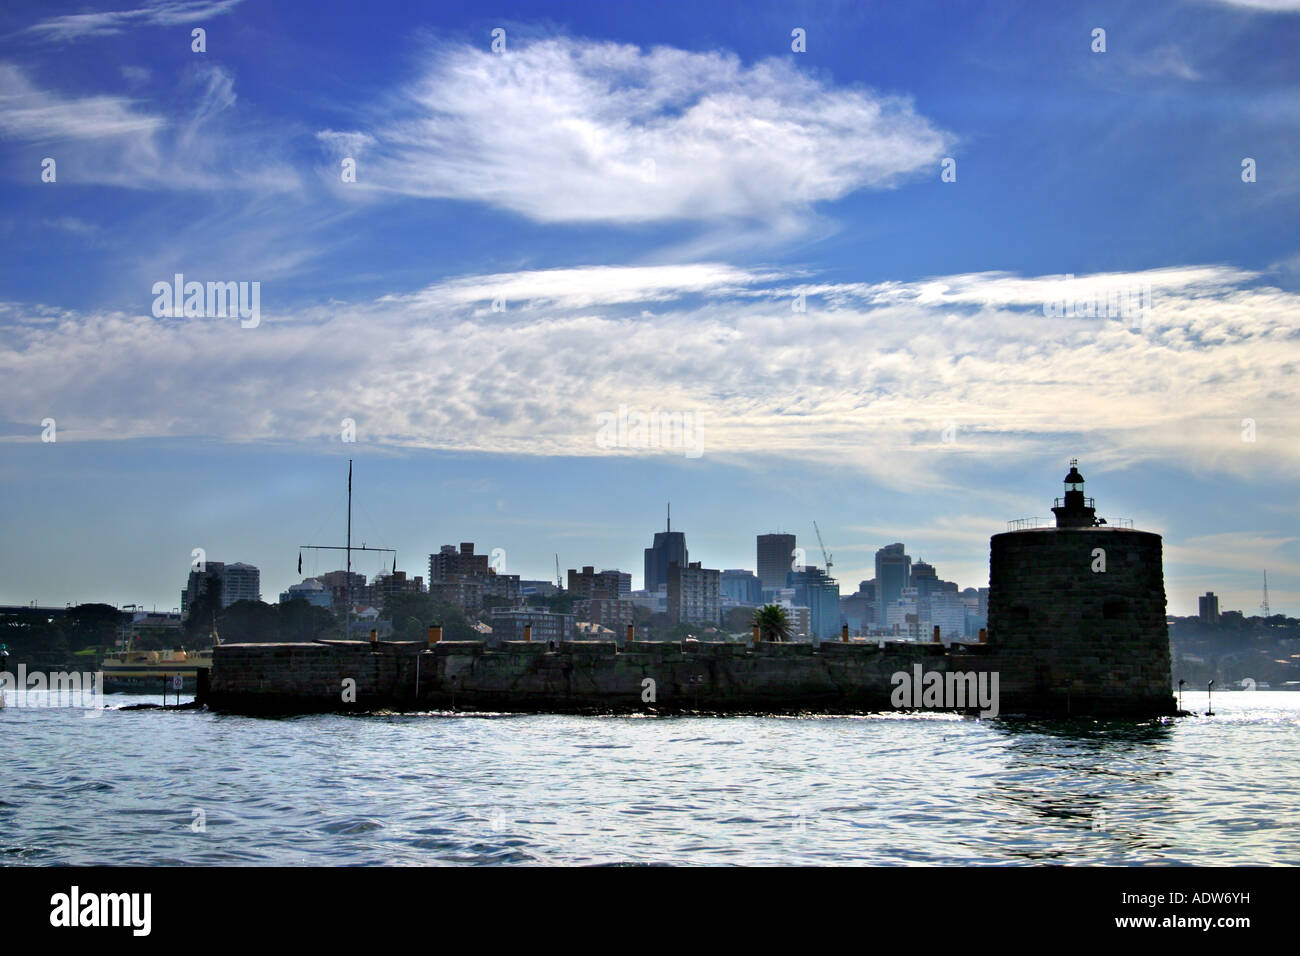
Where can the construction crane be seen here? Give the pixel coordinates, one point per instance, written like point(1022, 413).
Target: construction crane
point(825, 556)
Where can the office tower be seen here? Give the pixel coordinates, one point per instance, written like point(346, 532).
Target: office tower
point(741, 587)
point(1209, 607)
point(819, 593)
point(775, 558)
point(893, 574)
point(669, 547)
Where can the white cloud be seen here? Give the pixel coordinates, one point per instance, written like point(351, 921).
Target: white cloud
point(566, 131)
point(1166, 60)
point(587, 286)
point(28, 113)
point(78, 26)
point(346, 143)
point(867, 378)
point(1263, 6)
point(109, 140)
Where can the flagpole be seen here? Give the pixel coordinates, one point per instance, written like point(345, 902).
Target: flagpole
point(347, 627)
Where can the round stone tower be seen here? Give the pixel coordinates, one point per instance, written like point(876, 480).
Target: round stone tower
point(1077, 615)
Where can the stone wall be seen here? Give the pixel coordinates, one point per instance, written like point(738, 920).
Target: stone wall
point(581, 677)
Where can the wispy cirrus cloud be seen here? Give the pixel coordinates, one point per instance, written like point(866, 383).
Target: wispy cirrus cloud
point(162, 13)
point(30, 113)
point(1261, 6)
point(1165, 60)
point(564, 130)
point(112, 140)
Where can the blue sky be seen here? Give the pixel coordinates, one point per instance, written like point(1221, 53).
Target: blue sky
point(647, 190)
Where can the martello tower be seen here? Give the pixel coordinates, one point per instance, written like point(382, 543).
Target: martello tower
point(1077, 614)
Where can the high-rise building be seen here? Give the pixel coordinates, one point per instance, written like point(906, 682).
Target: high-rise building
point(947, 611)
point(448, 563)
point(893, 574)
point(589, 583)
point(901, 617)
point(694, 594)
point(818, 592)
point(669, 547)
point(858, 609)
point(775, 558)
point(463, 578)
point(238, 582)
point(199, 582)
point(925, 579)
point(741, 588)
point(1209, 607)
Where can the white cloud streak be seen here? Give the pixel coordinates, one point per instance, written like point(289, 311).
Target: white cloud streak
point(108, 140)
point(29, 113)
point(79, 26)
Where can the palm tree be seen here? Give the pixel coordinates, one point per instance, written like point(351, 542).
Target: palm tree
point(772, 623)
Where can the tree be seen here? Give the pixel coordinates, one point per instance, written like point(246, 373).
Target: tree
point(773, 623)
point(300, 621)
point(33, 640)
point(412, 612)
point(91, 625)
point(199, 615)
point(251, 622)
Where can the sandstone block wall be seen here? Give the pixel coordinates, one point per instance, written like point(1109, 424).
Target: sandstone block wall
point(1073, 639)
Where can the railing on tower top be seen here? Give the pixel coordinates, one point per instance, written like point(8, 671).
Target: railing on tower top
point(1087, 502)
point(1021, 524)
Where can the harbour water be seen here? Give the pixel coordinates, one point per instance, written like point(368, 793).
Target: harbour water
point(171, 788)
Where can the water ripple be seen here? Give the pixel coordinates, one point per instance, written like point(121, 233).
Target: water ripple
point(157, 788)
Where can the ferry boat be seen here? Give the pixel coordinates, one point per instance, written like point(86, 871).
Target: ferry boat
point(130, 669)
point(146, 670)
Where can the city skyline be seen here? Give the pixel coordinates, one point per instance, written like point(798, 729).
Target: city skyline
point(315, 566)
point(885, 269)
